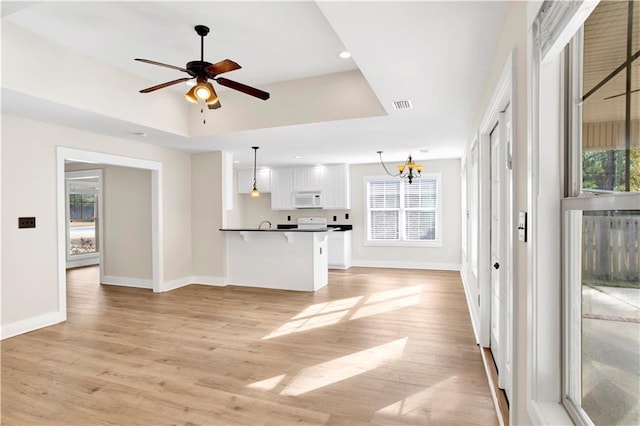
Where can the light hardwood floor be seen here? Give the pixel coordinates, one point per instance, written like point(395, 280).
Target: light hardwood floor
point(376, 346)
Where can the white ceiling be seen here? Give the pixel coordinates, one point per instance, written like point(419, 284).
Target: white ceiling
point(436, 54)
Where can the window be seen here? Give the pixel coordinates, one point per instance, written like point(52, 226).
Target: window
point(601, 220)
point(400, 213)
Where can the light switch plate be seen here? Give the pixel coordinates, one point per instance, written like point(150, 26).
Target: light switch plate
point(522, 226)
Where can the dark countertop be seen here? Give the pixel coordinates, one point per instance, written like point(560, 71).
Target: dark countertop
point(338, 228)
point(275, 230)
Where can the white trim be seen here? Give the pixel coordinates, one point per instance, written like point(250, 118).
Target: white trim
point(91, 260)
point(406, 265)
point(471, 304)
point(193, 280)
point(31, 324)
point(127, 281)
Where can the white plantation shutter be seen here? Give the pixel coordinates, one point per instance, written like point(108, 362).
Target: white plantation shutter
point(421, 202)
point(398, 211)
point(384, 205)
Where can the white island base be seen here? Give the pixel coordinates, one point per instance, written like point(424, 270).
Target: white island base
point(278, 259)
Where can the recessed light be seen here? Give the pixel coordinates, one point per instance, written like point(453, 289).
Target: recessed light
point(297, 157)
point(344, 54)
point(236, 161)
point(139, 134)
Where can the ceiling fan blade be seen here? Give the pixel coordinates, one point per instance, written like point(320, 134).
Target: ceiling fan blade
point(147, 61)
point(243, 88)
point(215, 105)
point(168, 83)
point(620, 94)
point(222, 66)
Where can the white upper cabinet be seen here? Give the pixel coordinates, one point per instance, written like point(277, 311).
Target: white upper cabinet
point(336, 188)
point(245, 180)
point(282, 189)
point(332, 181)
point(308, 178)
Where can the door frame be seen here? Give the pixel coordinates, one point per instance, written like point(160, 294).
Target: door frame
point(92, 157)
point(503, 96)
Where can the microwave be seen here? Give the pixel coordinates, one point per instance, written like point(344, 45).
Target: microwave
point(307, 200)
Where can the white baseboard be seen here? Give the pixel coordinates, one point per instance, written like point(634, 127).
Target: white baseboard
point(31, 324)
point(473, 312)
point(406, 265)
point(87, 261)
point(199, 280)
point(127, 281)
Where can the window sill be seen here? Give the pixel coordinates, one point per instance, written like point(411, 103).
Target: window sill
point(548, 413)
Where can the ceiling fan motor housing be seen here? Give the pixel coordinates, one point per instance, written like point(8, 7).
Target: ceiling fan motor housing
point(198, 68)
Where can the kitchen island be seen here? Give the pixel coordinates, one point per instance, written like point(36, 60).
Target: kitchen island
point(286, 259)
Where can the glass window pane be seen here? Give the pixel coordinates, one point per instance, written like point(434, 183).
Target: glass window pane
point(610, 142)
point(610, 317)
point(384, 225)
point(421, 225)
point(384, 194)
point(422, 193)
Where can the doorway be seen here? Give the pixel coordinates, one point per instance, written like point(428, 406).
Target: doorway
point(91, 157)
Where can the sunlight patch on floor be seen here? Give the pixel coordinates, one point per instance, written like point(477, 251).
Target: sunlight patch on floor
point(324, 308)
point(336, 370)
point(330, 313)
point(309, 323)
point(267, 384)
point(392, 294)
point(382, 307)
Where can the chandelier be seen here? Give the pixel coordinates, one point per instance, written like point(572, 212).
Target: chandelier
point(409, 169)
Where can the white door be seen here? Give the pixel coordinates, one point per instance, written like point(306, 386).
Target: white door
point(496, 293)
point(501, 250)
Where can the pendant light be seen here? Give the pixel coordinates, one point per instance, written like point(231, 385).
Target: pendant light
point(254, 191)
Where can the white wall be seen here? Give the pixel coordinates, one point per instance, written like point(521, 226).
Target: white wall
point(29, 273)
point(127, 223)
point(255, 210)
point(208, 263)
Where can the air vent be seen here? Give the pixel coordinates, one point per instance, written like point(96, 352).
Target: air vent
point(402, 104)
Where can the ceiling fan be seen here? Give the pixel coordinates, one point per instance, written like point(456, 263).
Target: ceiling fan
point(204, 71)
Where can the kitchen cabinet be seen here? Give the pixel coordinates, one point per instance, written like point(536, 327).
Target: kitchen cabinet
point(336, 188)
point(308, 178)
point(244, 183)
point(332, 181)
point(339, 249)
point(281, 189)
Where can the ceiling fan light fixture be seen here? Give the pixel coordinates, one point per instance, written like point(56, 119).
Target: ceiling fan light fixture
point(191, 95)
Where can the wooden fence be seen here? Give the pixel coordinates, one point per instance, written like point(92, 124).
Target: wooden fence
point(611, 248)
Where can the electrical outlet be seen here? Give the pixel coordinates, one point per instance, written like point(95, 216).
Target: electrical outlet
point(346, 216)
point(26, 222)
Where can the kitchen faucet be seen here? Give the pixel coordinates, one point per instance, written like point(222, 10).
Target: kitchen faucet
point(263, 222)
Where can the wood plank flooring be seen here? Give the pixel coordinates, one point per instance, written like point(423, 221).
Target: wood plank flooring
point(376, 346)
